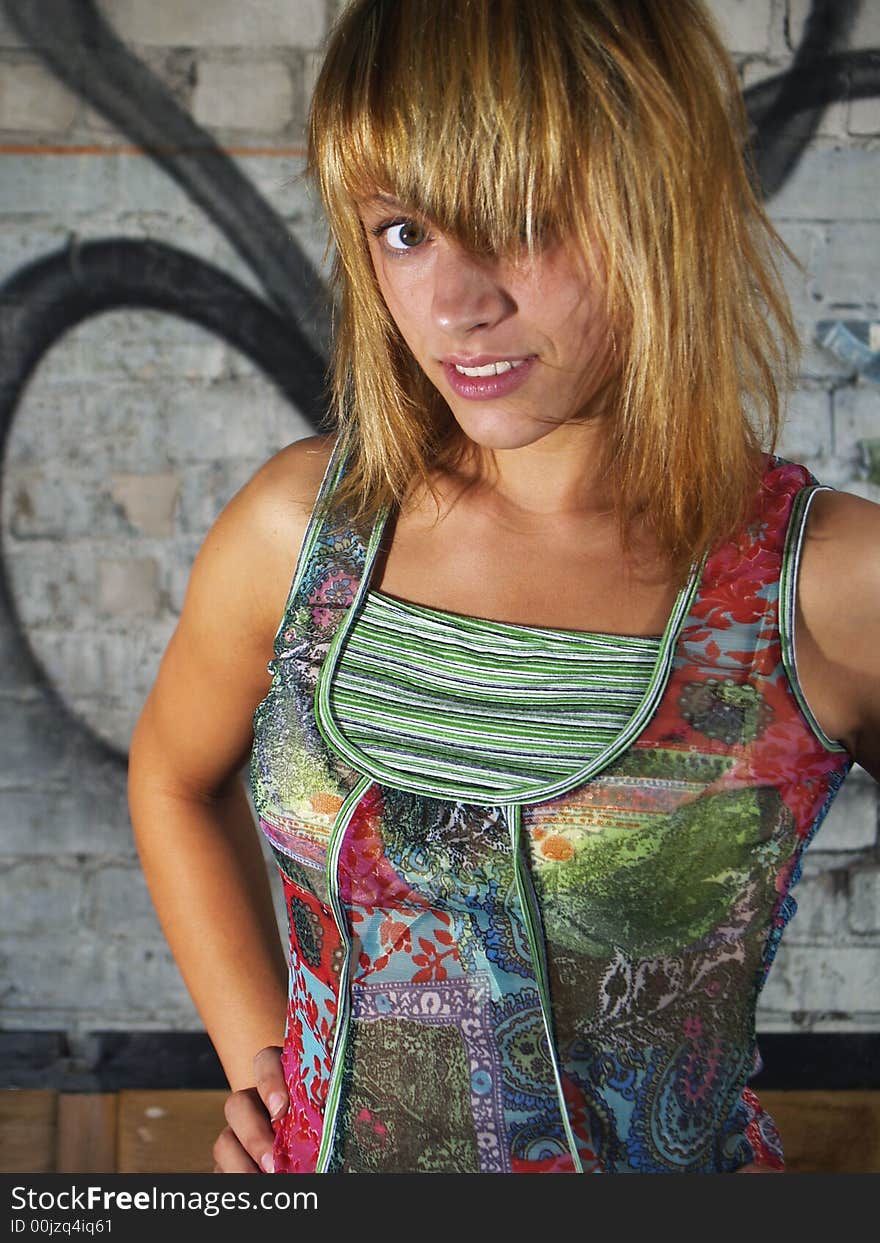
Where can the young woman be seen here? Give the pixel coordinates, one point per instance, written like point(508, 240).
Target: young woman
point(534, 752)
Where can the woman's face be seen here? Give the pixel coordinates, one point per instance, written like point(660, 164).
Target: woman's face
point(517, 349)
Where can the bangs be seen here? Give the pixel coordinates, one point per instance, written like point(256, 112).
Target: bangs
point(474, 116)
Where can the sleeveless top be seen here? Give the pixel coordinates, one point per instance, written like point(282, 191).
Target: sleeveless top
point(564, 980)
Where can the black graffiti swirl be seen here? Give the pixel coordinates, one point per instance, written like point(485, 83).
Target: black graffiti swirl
point(785, 110)
point(83, 51)
point(48, 297)
point(286, 336)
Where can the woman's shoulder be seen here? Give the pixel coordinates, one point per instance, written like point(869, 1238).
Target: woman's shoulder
point(256, 539)
point(843, 535)
point(276, 502)
point(279, 499)
point(291, 478)
point(839, 600)
point(840, 565)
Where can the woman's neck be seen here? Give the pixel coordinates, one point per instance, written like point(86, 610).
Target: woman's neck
point(558, 477)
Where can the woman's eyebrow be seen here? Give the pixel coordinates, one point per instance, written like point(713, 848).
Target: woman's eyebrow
point(385, 200)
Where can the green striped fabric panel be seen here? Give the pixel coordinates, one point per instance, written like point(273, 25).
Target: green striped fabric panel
point(426, 693)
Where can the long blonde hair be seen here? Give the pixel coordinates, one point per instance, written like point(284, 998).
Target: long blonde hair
point(618, 124)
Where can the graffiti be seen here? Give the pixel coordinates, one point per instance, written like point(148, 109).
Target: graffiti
point(286, 335)
point(86, 55)
point(52, 295)
point(854, 342)
point(785, 110)
point(286, 332)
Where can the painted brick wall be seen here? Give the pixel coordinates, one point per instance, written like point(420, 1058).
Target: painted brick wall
point(138, 427)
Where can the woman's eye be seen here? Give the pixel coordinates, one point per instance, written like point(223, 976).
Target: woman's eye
point(403, 235)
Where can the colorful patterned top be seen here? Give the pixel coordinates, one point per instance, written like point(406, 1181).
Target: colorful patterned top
point(565, 980)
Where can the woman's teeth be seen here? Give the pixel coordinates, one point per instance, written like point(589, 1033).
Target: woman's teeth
point(490, 368)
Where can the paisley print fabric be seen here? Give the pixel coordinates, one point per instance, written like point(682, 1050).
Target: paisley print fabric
point(566, 984)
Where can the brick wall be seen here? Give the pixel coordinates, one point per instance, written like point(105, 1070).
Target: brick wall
point(138, 427)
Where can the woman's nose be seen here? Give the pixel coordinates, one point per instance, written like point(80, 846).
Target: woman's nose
point(469, 291)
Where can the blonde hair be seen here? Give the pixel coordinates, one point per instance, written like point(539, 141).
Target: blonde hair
point(618, 124)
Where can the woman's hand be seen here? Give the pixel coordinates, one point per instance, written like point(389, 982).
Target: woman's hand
point(245, 1145)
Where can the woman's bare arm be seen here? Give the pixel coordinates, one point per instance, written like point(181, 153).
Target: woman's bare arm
point(192, 823)
point(838, 622)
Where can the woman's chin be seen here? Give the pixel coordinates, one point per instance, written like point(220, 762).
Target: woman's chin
point(500, 429)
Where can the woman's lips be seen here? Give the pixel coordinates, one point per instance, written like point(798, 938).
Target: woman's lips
point(482, 388)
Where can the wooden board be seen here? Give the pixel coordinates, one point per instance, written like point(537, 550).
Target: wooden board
point(169, 1132)
point(828, 1132)
point(86, 1142)
point(27, 1131)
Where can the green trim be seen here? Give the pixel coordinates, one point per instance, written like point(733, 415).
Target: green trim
point(323, 717)
point(532, 919)
point(332, 473)
point(788, 581)
point(343, 1013)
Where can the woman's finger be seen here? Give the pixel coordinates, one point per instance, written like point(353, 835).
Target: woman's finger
point(250, 1126)
point(269, 1077)
point(230, 1157)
